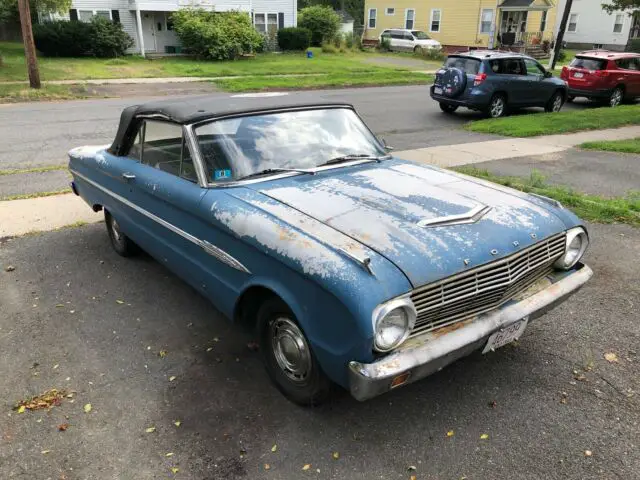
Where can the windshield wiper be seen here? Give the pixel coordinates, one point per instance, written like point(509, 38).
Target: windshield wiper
point(277, 170)
point(352, 157)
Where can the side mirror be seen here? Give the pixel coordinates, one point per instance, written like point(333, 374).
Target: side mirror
point(548, 74)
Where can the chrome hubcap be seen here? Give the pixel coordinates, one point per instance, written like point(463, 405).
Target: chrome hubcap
point(497, 107)
point(115, 229)
point(557, 103)
point(290, 349)
point(616, 97)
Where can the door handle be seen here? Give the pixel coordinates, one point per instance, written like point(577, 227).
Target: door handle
point(128, 176)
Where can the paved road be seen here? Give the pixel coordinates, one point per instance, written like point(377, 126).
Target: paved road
point(61, 327)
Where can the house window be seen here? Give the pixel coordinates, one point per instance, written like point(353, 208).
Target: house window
point(618, 23)
point(272, 22)
point(87, 15)
point(106, 14)
point(543, 21)
point(259, 21)
point(434, 24)
point(390, 11)
point(573, 23)
point(409, 17)
point(486, 20)
point(373, 13)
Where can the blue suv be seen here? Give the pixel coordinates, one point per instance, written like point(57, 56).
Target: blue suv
point(495, 82)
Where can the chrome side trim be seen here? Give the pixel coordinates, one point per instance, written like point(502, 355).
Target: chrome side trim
point(365, 262)
point(211, 249)
point(471, 216)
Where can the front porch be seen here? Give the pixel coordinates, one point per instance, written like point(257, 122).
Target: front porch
point(525, 26)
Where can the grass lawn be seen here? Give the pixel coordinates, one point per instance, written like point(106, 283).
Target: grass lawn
point(624, 146)
point(563, 122)
point(134, 66)
point(589, 207)
point(255, 84)
point(22, 93)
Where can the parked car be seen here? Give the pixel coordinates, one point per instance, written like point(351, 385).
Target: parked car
point(602, 75)
point(356, 268)
point(403, 40)
point(495, 83)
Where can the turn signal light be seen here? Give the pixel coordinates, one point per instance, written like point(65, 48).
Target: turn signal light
point(481, 77)
point(400, 379)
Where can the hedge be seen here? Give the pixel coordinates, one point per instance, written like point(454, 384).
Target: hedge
point(294, 38)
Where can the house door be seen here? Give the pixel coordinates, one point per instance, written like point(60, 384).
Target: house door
point(149, 32)
point(513, 22)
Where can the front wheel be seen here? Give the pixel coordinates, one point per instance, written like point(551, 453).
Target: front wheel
point(555, 103)
point(448, 108)
point(288, 357)
point(616, 96)
point(497, 107)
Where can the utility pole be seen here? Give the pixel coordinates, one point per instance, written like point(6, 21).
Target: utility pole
point(29, 46)
point(560, 36)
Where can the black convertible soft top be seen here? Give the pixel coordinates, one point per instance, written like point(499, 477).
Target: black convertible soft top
point(196, 109)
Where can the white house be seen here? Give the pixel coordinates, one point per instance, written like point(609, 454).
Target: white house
point(589, 26)
point(149, 23)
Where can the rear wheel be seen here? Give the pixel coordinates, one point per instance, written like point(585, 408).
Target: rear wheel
point(122, 244)
point(288, 357)
point(555, 102)
point(497, 106)
point(447, 107)
point(616, 97)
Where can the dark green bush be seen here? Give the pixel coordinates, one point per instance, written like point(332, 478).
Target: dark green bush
point(216, 35)
point(348, 40)
point(634, 45)
point(322, 21)
point(562, 55)
point(98, 38)
point(294, 38)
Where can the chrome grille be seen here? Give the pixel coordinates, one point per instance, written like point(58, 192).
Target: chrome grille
point(483, 288)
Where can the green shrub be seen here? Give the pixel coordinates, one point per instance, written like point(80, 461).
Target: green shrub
point(98, 38)
point(562, 55)
point(349, 40)
point(328, 47)
point(337, 40)
point(357, 42)
point(321, 21)
point(434, 54)
point(294, 38)
point(216, 35)
point(634, 45)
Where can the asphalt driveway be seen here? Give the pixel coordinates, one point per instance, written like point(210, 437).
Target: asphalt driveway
point(116, 332)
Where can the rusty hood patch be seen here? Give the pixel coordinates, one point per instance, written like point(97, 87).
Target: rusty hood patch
point(382, 206)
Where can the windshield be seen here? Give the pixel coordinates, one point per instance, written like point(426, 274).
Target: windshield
point(239, 147)
point(420, 35)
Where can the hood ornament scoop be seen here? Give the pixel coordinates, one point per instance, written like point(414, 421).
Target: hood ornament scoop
point(472, 216)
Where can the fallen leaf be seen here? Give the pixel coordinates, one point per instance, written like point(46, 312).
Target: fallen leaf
point(267, 466)
point(177, 423)
point(336, 455)
point(162, 353)
point(274, 448)
point(484, 436)
point(216, 339)
point(55, 366)
point(21, 409)
point(209, 349)
point(119, 302)
point(60, 305)
point(611, 357)
point(47, 400)
point(170, 454)
point(588, 453)
point(307, 466)
point(174, 470)
point(150, 429)
point(44, 452)
point(63, 427)
point(413, 477)
point(87, 408)
point(9, 268)
point(411, 468)
point(172, 378)
point(493, 404)
point(450, 433)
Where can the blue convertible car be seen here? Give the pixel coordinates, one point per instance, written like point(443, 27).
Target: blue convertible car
point(356, 268)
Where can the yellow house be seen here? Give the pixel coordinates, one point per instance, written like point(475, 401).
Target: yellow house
point(466, 23)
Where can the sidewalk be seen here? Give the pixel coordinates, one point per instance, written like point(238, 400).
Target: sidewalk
point(18, 217)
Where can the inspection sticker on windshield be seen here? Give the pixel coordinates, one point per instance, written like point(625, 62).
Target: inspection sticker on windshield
point(506, 335)
point(221, 174)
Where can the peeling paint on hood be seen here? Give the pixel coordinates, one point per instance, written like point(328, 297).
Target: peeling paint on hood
point(380, 205)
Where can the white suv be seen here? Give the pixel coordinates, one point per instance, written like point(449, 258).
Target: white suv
point(409, 40)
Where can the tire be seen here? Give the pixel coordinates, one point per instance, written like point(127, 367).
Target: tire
point(122, 244)
point(447, 107)
point(616, 97)
point(497, 106)
point(296, 372)
point(416, 49)
point(555, 103)
point(453, 81)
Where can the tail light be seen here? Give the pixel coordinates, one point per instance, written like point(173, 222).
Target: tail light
point(479, 78)
point(564, 73)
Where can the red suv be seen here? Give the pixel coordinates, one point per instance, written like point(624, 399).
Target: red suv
point(603, 75)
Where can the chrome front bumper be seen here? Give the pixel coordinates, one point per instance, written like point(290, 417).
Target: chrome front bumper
point(428, 353)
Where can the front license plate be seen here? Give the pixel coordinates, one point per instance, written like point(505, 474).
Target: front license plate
point(437, 91)
point(507, 335)
point(578, 75)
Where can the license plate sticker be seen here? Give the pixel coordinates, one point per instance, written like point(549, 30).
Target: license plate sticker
point(506, 335)
point(578, 75)
point(437, 91)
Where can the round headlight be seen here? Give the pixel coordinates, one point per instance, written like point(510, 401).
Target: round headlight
point(577, 242)
point(393, 323)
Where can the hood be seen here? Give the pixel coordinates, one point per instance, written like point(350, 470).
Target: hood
point(394, 207)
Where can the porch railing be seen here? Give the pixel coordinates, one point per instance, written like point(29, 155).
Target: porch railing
point(517, 39)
